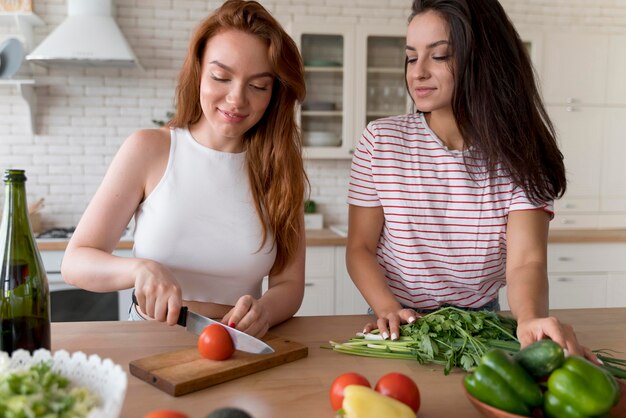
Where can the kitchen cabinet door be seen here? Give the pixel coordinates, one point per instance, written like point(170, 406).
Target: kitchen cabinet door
point(616, 290)
point(575, 67)
point(380, 84)
point(616, 82)
point(572, 291)
point(348, 299)
point(319, 279)
point(576, 290)
point(326, 115)
point(613, 190)
point(580, 136)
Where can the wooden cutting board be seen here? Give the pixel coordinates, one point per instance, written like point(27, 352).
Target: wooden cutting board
point(185, 371)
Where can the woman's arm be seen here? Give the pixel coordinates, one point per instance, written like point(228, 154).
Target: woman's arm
point(526, 263)
point(281, 300)
point(527, 282)
point(365, 225)
point(88, 263)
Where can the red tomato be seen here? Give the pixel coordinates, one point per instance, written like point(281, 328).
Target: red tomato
point(336, 388)
point(215, 343)
point(400, 387)
point(166, 413)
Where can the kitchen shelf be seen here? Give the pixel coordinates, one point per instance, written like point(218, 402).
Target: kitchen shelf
point(323, 69)
point(385, 70)
point(322, 112)
point(24, 22)
point(26, 88)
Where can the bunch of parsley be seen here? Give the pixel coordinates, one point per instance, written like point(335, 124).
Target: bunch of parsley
point(449, 336)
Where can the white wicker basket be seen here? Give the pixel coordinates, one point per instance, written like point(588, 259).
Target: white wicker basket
point(103, 378)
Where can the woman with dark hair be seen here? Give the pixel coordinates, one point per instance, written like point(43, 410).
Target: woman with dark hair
point(452, 202)
point(218, 194)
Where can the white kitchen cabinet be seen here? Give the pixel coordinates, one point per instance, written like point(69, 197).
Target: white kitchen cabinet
point(380, 84)
point(592, 142)
point(586, 100)
point(584, 275)
point(328, 288)
point(577, 290)
point(319, 282)
point(574, 67)
point(581, 140)
point(580, 136)
point(616, 82)
point(348, 299)
point(328, 54)
point(354, 74)
point(616, 290)
point(613, 187)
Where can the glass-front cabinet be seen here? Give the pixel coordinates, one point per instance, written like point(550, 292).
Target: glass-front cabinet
point(381, 87)
point(329, 63)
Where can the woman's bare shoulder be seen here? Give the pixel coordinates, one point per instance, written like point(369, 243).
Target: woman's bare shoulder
point(149, 140)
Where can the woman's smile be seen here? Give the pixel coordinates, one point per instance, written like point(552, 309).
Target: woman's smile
point(233, 117)
point(423, 91)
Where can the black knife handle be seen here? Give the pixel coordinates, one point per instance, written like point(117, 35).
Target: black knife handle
point(182, 316)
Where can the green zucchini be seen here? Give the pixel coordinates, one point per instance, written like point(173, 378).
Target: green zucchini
point(541, 358)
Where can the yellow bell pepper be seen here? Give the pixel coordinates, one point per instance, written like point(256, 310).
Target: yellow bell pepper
point(363, 402)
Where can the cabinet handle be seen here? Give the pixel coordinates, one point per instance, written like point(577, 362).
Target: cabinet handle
point(564, 279)
point(568, 221)
point(571, 109)
point(571, 100)
point(570, 205)
point(565, 258)
point(309, 284)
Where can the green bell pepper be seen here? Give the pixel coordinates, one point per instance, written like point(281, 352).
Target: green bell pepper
point(500, 382)
point(580, 389)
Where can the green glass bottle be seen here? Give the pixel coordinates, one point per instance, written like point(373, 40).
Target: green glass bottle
point(24, 293)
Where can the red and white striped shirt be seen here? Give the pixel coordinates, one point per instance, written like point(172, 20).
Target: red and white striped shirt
point(444, 234)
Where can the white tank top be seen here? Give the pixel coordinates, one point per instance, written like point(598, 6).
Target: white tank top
point(200, 221)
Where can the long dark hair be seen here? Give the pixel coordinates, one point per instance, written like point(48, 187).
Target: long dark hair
point(496, 102)
point(274, 145)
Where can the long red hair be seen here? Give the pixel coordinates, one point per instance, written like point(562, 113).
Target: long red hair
point(274, 145)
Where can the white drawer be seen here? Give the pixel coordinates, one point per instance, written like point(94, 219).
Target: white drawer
point(571, 291)
point(612, 204)
point(613, 221)
point(320, 262)
point(576, 204)
point(616, 291)
point(586, 257)
point(318, 298)
point(564, 220)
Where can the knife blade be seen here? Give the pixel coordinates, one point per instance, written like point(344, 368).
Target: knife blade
point(196, 323)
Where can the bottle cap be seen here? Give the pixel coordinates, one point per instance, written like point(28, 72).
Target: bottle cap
point(11, 174)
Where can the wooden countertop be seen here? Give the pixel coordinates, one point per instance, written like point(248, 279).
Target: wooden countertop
point(323, 237)
point(299, 388)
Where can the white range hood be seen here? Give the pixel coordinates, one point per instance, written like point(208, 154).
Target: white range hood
point(87, 37)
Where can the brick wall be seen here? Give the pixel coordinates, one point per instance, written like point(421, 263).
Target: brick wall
point(83, 114)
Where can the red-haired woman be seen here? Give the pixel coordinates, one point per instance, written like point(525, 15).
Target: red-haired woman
point(218, 194)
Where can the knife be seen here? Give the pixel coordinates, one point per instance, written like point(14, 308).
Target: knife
point(196, 323)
